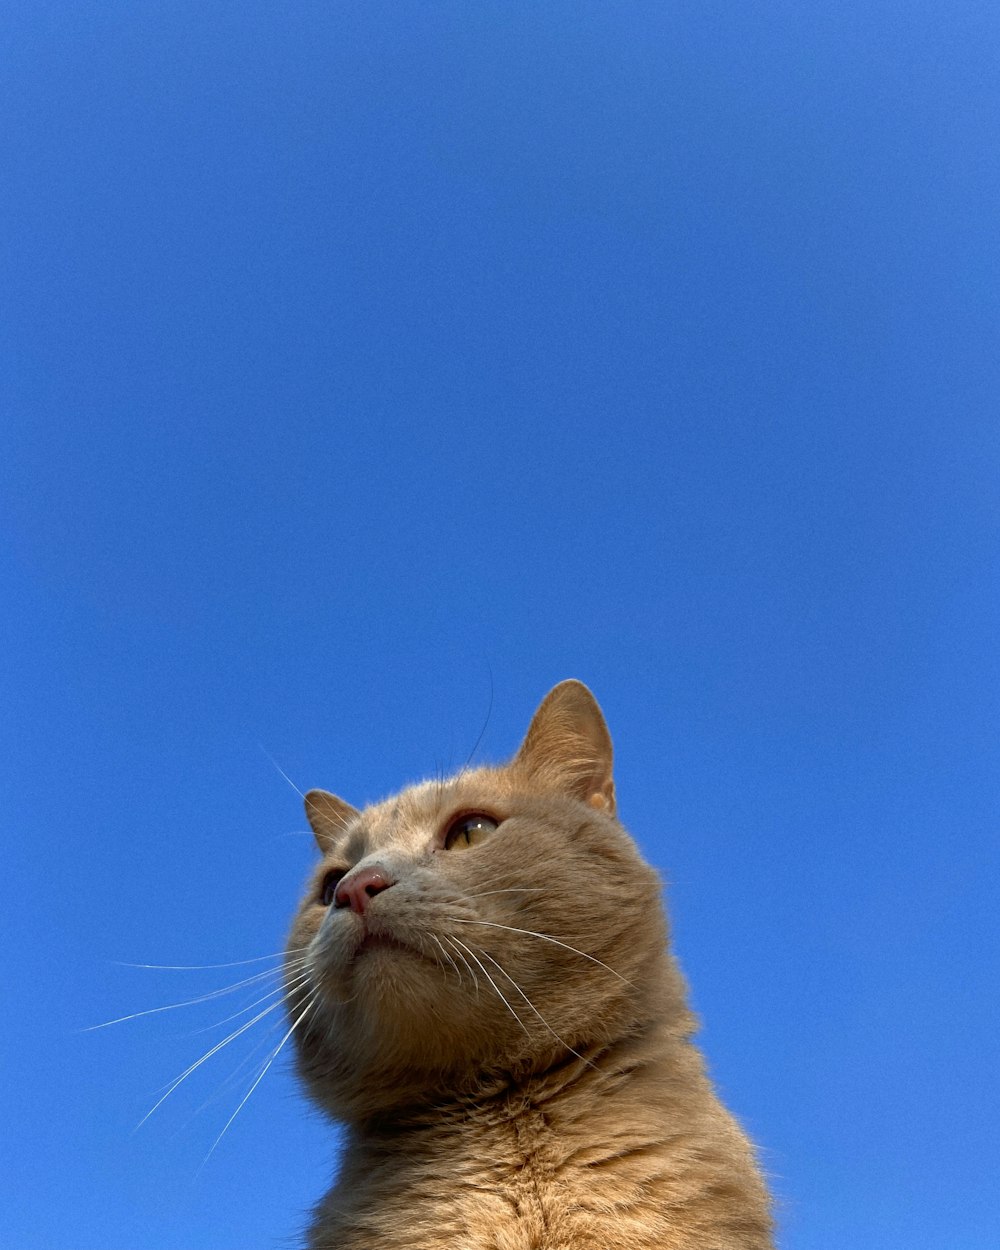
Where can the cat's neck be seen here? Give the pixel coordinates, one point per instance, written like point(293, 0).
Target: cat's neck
point(630, 1125)
point(605, 1069)
point(638, 1058)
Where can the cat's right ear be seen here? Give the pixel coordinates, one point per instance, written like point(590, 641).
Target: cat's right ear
point(328, 818)
point(568, 746)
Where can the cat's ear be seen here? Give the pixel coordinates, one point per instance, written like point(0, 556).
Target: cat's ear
point(328, 817)
point(568, 746)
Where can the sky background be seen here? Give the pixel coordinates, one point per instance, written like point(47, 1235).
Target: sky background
point(359, 359)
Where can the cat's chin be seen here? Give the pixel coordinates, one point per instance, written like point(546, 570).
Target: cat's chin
point(383, 943)
point(384, 1033)
point(375, 966)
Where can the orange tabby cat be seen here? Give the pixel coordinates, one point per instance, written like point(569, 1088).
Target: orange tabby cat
point(485, 998)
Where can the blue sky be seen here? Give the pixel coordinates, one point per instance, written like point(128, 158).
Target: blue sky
point(359, 359)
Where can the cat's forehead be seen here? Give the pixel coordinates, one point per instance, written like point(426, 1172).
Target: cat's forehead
point(409, 818)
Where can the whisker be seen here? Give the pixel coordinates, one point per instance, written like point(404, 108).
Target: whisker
point(281, 770)
point(238, 963)
point(545, 937)
point(208, 1055)
point(472, 972)
point(250, 1057)
point(449, 958)
point(280, 989)
point(497, 988)
point(504, 875)
point(545, 1022)
point(510, 890)
point(489, 713)
point(263, 1072)
point(190, 1002)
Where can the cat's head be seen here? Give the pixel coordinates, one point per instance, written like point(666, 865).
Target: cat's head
point(492, 923)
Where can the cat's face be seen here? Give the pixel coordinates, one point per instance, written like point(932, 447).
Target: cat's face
point(493, 922)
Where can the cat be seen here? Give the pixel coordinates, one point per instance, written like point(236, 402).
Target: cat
point(482, 993)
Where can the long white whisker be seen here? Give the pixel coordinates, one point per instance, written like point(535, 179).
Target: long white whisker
point(238, 963)
point(497, 988)
point(545, 937)
point(449, 958)
point(281, 989)
point(197, 1064)
point(263, 1071)
point(503, 874)
point(190, 1002)
point(249, 1058)
point(472, 972)
point(504, 972)
point(511, 890)
point(281, 770)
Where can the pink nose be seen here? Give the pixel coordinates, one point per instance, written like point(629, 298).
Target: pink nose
point(358, 888)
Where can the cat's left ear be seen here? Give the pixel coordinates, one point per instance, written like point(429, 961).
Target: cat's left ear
point(568, 746)
point(328, 817)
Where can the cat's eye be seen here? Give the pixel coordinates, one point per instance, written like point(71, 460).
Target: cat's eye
point(468, 830)
point(329, 887)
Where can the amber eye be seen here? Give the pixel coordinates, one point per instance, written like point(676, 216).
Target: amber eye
point(329, 886)
point(468, 830)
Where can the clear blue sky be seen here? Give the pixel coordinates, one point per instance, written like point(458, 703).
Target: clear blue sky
point(357, 356)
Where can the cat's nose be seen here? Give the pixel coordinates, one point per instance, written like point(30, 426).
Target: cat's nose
point(358, 888)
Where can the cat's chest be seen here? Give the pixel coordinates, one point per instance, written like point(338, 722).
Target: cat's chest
point(514, 1186)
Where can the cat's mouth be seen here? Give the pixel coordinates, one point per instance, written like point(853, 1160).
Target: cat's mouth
point(357, 939)
point(381, 942)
